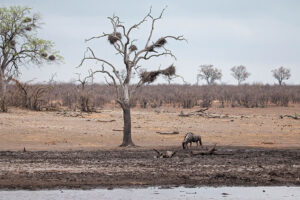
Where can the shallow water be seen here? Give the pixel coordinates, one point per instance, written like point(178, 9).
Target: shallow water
point(227, 193)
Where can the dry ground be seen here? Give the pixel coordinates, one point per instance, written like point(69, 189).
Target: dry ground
point(56, 131)
point(82, 152)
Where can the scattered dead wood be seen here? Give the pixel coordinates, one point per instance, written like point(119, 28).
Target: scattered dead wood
point(296, 116)
point(202, 113)
point(202, 110)
point(168, 133)
point(70, 114)
point(210, 151)
point(117, 130)
point(167, 154)
point(106, 120)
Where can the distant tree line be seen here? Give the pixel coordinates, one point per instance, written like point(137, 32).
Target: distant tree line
point(54, 96)
point(211, 74)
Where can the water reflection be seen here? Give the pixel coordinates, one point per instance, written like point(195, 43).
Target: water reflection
point(227, 193)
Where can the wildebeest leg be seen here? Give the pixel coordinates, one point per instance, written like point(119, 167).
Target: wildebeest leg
point(191, 144)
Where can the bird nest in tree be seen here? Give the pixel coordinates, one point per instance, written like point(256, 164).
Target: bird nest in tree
point(52, 57)
point(170, 71)
point(13, 43)
point(27, 19)
point(133, 48)
point(114, 37)
point(149, 77)
point(159, 43)
point(28, 28)
point(44, 55)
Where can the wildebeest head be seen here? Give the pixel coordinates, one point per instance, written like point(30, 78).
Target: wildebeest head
point(184, 145)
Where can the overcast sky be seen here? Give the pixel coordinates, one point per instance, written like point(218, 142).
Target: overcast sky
point(260, 34)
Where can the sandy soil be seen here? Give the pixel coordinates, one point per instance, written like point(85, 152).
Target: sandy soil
point(82, 152)
point(56, 131)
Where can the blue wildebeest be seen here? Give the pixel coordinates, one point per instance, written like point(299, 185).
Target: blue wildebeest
point(190, 138)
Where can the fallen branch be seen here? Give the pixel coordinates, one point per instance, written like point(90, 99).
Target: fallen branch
point(210, 151)
point(167, 154)
point(117, 130)
point(202, 110)
point(296, 116)
point(106, 121)
point(202, 113)
point(168, 133)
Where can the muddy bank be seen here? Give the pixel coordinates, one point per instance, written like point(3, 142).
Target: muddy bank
point(138, 167)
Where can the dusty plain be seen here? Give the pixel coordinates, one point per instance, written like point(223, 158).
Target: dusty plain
point(79, 150)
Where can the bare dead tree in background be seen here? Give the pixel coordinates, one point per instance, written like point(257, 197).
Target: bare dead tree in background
point(84, 99)
point(209, 73)
point(281, 74)
point(240, 73)
point(19, 45)
point(23, 89)
point(132, 55)
point(34, 97)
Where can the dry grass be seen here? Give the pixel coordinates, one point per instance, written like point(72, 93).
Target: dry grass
point(55, 131)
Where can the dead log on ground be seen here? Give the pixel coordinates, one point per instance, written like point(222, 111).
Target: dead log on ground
point(202, 110)
point(204, 114)
point(117, 130)
point(168, 133)
point(167, 154)
point(210, 151)
point(106, 120)
point(296, 116)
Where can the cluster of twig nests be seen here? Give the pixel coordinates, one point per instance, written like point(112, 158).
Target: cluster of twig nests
point(159, 43)
point(114, 37)
point(13, 43)
point(51, 57)
point(28, 20)
point(149, 77)
point(132, 47)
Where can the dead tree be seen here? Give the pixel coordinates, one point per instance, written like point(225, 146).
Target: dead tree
point(33, 96)
point(84, 99)
point(131, 55)
point(23, 89)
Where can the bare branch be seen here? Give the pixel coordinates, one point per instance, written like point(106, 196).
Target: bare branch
point(97, 37)
point(152, 27)
point(103, 71)
point(139, 23)
point(93, 57)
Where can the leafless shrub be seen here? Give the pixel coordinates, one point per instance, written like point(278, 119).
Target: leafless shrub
point(186, 96)
point(32, 97)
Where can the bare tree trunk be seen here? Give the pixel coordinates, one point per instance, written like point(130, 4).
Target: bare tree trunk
point(127, 141)
point(3, 106)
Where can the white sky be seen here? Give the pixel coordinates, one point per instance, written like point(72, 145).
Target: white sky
point(260, 34)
